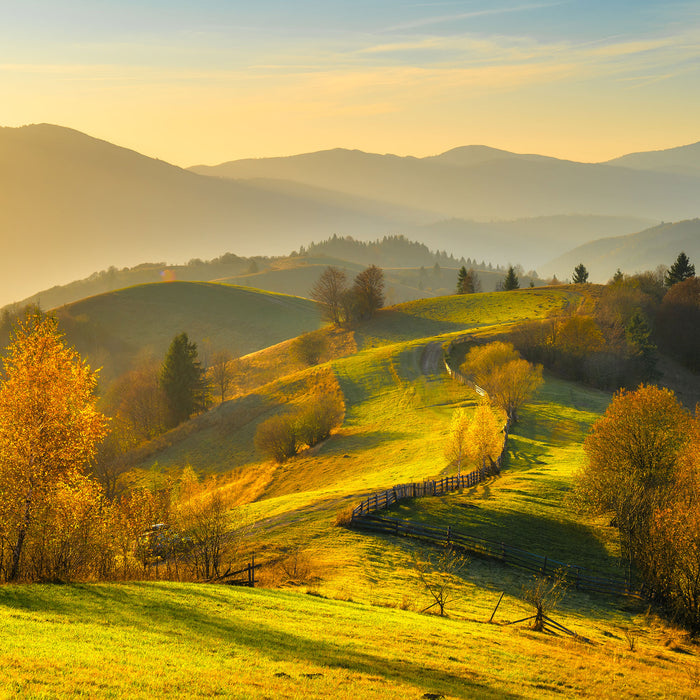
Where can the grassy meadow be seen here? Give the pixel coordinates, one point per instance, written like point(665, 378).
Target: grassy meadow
point(351, 625)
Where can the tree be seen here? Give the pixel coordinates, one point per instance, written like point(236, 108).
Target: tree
point(641, 346)
point(318, 417)
point(457, 449)
point(183, 381)
point(580, 274)
point(222, 372)
point(510, 281)
point(276, 437)
point(49, 426)
point(308, 348)
point(329, 291)
point(678, 322)
point(484, 436)
point(508, 380)
point(632, 454)
point(467, 281)
point(679, 271)
point(368, 291)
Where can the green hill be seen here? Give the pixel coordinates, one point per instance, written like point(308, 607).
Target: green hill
point(112, 329)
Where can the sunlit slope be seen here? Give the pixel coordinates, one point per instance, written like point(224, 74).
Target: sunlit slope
point(201, 641)
point(426, 318)
point(112, 329)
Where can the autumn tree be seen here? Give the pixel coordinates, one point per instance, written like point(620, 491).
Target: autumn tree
point(183, 380)
point(457, 448)
point(678, 322)
point(308, 348)
point(632, 454)
point(681, 270)
point(484, 436)
point(318, 417)
point(580, 274)
point(508, 380)
point(328, 292)
point(49, 427)
point(276, 437)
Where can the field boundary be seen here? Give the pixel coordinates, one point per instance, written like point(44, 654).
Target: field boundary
point(429, 487)
point(574, 575)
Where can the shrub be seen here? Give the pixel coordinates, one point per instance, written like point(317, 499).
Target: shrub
point(276, 438)
point(316, 420)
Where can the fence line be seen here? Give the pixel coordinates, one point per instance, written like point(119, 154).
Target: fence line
point(576, 576)
point(430, 487)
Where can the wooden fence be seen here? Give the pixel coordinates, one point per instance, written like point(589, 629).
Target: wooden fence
point(434, 487)
point(245, 576)
point(574, 575)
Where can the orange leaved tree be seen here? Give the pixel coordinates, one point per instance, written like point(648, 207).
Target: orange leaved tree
point(49, 428)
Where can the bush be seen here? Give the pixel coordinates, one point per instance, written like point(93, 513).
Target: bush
point(308, 349)
point(276, 438)
point(318, 418)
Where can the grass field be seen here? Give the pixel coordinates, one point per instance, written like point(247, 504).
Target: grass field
point(352, 625)
point(203, 641)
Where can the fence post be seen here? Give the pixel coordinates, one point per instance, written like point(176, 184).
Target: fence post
point(449, 534)
point(544, 566)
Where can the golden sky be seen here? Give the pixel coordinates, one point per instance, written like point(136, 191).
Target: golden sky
point(212, 81)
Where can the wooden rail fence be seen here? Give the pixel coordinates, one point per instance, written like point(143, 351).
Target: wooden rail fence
point(574, 575)
point(432, 487)
point(246, 575)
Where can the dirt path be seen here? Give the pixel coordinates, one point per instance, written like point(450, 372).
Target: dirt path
point(431, 359)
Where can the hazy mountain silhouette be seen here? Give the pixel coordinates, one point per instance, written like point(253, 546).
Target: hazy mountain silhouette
point(636, 252)
point(684, 160)
point(71, 204)
point(477, 182)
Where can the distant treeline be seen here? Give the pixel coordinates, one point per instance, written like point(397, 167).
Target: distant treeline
point(389, 251)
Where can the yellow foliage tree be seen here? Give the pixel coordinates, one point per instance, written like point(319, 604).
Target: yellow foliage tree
point(457, 448)
point(484, 436)
point(49, 427)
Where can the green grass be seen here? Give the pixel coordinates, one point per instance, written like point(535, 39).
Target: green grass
point(202, 641)
point(111, 329)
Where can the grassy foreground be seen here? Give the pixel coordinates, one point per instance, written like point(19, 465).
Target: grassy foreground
point(201, 641)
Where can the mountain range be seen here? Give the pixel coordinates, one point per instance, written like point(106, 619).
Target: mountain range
point(71, 204)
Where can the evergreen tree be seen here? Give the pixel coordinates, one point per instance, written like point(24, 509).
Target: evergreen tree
point(461, 280)
point(183, 381)
point(679, 271)
point(510, 281)
point(618, 276)
point(580, 274)
point(638, 335)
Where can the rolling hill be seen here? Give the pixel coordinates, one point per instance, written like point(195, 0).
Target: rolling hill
point(637, 252)
point(111, 330)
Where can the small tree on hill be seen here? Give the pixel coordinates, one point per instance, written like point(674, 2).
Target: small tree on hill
point(580, 274)
point(368, 290)
point(679, 271)
point(510, 281)
point(457, 450)
point(329, 291)
point(308, 348)
point(276, 437)
point(183, 381)
point(484, 437)
point(467, 281)
point(222, 373)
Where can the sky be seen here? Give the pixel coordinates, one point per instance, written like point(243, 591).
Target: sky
point(212, 81)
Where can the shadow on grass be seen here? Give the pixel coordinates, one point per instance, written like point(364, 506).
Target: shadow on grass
point(218, 617)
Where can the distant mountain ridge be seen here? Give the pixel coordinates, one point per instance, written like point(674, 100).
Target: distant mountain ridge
point(477, 182)
point(71, 204)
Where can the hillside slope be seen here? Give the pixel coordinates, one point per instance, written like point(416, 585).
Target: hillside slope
point(636, 252)
point(112, 329)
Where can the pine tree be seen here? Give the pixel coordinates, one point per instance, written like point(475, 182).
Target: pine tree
point(580, 274)
point(461, 280)
point(511, 280)
point(679, 271)
point(183, 381)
